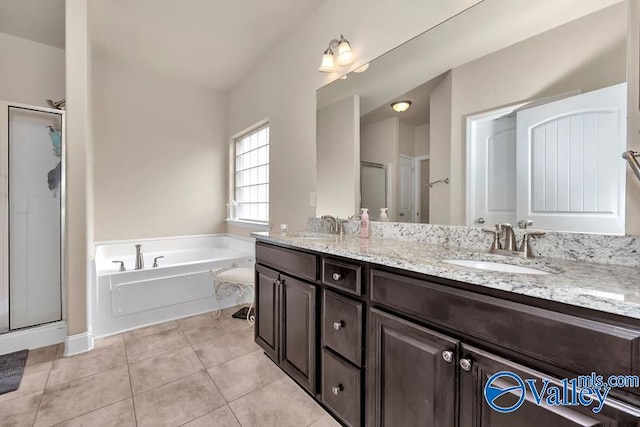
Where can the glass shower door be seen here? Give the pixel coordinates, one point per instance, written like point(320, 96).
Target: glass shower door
point(34, 217)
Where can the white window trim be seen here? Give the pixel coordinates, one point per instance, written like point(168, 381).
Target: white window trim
point(245, 223)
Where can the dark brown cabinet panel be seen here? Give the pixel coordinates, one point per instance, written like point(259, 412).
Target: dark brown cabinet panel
point(411, 378)
point(341, 388)
point(300, 264)
point(572, 343)
point(342, 275)
point(299, 334)
point(342, 326)
point(267, 327)
point(475, 412)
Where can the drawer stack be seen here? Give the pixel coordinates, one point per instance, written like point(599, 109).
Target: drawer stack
point(342, 341)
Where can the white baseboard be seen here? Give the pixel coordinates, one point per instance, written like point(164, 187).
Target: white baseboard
point(31, 338)
point(79, 343)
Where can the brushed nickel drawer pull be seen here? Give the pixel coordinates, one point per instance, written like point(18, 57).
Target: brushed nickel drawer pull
point(337, 389)
point(337, 276)
point(447, 356)
point(338, 325)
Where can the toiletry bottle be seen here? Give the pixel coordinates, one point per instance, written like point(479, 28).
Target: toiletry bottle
point(364, 223)
point(383, 215)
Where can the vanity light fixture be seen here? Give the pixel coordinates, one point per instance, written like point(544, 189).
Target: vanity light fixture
point(401, 106)
point(344, 55)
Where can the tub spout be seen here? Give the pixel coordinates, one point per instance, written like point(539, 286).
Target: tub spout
point(139, 258)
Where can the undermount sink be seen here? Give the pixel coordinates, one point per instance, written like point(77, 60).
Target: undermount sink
point(495, 266)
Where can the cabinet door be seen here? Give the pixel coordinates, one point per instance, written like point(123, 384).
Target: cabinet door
point(298, 313)
point(412, 382)
point(475, 411)
point(267, 318)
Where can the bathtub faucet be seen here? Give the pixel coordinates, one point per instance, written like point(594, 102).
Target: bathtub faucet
point(139, 258)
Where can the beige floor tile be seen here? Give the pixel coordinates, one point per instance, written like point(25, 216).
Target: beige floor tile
point(281, 403)
point(325, 421)
point(232, 324)
point(98, 360)
point(203, 328)
point(221, 417)
point(60, 352)
point(141, 347)
point(225, 348)
point(119, 414)
point(34, 379)
point(20, 412)
point(69, 400)
point(148, 330)
point(191, 321)
point(178, 402)
point(41, 355)
point(106, 341)
point(160, 370)
point(244, 375)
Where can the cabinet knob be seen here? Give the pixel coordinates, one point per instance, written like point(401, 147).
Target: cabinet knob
point(447, 356)
point(336, 276)
point(337, 389)
point(338, 325)
point(465, 364)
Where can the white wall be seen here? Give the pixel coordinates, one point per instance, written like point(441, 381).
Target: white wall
point(282, 86)
point(421, 143)
point(406, 139)
point(440, 151)
point(30, 72)
point(379, 143)
point(160, 155)
point(338, 174)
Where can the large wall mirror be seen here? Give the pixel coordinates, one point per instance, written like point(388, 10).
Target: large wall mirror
point(509, 119)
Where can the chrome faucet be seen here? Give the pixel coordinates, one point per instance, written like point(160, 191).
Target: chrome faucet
point(509, 247)
point(139, 258)
point(333, 223)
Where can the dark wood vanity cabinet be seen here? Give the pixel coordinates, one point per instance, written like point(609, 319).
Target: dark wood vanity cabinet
point(380, 347)
point(286, 313)
point(411, 374)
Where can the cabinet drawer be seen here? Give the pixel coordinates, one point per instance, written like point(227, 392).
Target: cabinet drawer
point(342, 326)
point(578, 345)
point(299, 264)
point(341, 388)
point(342, 275)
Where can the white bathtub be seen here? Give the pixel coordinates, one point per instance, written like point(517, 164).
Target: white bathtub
point(180, 286)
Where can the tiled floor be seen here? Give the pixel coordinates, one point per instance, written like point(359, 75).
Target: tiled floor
point(195, 372)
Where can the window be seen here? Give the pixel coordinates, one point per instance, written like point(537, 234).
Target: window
point(252, 174)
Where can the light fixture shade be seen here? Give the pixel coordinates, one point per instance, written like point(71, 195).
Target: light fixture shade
point(401, 106)
point(362, 68)
point(328, 64)
point(345, 55)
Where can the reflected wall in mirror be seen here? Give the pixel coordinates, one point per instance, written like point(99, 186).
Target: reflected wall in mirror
point(510, 119)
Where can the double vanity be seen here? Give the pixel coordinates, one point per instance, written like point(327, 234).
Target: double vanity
point(396, 332)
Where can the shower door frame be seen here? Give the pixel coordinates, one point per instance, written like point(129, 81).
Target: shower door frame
point(4, 212)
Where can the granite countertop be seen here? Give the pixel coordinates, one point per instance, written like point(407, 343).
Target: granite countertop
point(609, 288)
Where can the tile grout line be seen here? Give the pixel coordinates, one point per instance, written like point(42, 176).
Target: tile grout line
point(133, 402)
point(43, 391)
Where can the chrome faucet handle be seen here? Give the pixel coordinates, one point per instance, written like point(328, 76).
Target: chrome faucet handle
point(509, 236)
point(121, 265)
point(524, 223)
point(525, 247)
point(155, 261)
point(495, 245)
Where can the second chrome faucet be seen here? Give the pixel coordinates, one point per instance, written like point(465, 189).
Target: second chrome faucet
point(509, 247)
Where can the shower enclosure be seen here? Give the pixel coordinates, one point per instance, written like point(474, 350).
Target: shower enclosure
point(31, 216)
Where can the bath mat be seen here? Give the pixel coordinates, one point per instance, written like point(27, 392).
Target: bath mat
point(242, 313)
point(11, 370)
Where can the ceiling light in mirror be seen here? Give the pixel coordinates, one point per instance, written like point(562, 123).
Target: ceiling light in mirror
point(401, 106)
point(362, 68)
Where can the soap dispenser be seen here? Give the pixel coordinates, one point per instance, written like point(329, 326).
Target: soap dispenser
point(383, 215)
point(364, 223)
